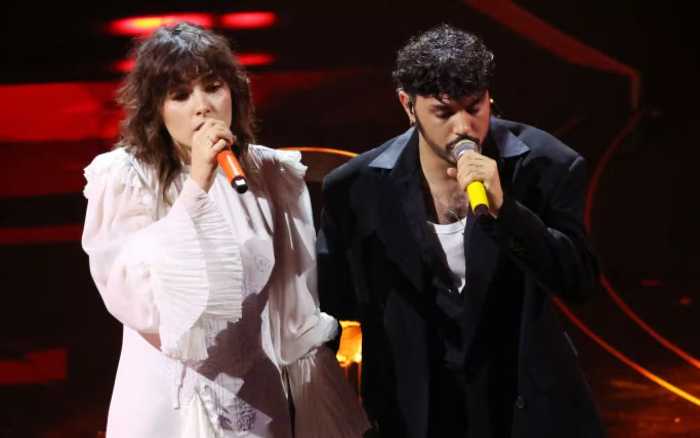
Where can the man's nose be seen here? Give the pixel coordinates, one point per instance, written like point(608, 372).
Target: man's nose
point(463, 125)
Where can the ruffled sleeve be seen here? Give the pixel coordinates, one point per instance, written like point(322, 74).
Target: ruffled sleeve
point(295, 315)
point(325, 404)
point(172, 275)
point(293, 172)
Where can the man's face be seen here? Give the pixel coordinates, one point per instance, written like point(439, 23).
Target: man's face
point(443, 121)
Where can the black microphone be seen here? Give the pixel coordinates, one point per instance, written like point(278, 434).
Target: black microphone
point(475, 189)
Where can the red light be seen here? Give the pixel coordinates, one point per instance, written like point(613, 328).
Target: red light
point(138, 26)
point(36, 367)
point(255, 59)
point(124, 66)
point(248, 20)
point(39, 236)
point(247, 59)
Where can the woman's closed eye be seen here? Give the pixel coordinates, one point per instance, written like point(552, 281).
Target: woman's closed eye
point(213, 86)
point(179, 94)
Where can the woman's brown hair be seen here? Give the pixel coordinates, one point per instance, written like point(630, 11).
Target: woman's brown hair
point(170, 56)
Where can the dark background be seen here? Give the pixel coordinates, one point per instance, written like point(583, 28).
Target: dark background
point(330, 86)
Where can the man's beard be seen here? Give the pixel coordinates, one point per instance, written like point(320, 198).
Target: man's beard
point(444, 152)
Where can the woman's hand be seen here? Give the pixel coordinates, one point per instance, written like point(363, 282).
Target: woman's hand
point(210, 139)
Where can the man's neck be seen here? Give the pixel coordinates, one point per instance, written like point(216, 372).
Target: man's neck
point(445, 199)
point(434, 167)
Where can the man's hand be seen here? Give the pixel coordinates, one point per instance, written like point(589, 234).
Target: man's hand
point(473, 166)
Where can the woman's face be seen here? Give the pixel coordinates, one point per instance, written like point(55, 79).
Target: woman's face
point(188, 105)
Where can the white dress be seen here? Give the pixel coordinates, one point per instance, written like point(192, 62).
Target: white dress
point(228, 282)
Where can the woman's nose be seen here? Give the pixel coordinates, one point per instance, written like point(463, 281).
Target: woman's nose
point(202, 103)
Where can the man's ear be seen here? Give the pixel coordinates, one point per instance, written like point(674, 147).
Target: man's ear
point(408, 103)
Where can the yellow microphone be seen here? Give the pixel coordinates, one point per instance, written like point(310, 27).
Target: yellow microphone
point(475, 189)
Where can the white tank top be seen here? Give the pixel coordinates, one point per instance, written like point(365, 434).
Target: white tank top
point(451, 238)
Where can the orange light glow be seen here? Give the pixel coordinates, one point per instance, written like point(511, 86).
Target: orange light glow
point(139, 26)
point(321, 150)
point(631, 314)
point(350, 350)
point(626, 360)
point(248, 20)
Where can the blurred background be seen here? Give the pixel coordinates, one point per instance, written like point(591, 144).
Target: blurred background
point(617, 81)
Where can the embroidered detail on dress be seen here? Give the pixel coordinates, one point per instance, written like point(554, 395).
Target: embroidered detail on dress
point(262, 264)
point(257, 264)
point(238, 416)
point(209, 400)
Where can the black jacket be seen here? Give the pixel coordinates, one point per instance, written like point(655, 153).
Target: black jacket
point(380, 264)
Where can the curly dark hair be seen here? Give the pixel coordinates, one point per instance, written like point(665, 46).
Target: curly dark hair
point(174, 55)
point(444, 60)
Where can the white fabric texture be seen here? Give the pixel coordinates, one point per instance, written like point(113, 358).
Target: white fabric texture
point(228, 282)
point(451, 237)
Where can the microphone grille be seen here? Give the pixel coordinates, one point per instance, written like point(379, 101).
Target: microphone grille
point(462, 146)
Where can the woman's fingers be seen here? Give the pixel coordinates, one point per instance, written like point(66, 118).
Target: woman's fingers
point(213, 137)
point(219, 146)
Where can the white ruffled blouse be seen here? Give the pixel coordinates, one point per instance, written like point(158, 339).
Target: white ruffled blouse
point(228, 282)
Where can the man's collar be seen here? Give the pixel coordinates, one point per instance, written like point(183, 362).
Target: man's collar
point(388, 158)
point(508, 144)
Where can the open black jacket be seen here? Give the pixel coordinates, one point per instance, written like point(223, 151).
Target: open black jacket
point(380, 264)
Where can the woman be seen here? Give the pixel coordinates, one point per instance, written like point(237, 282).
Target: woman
point(216, 290)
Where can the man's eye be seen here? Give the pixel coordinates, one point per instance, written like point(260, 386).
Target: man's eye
point(474, 109)
point(443, 115)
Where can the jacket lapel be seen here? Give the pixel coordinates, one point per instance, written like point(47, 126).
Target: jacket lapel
point(403, 227)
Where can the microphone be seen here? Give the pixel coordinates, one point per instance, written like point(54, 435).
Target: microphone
point(475, 189)
point(233, 170)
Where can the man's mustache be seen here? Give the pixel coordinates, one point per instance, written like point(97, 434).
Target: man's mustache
point(451, 144)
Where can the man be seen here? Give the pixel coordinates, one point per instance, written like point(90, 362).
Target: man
point(460, 336)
